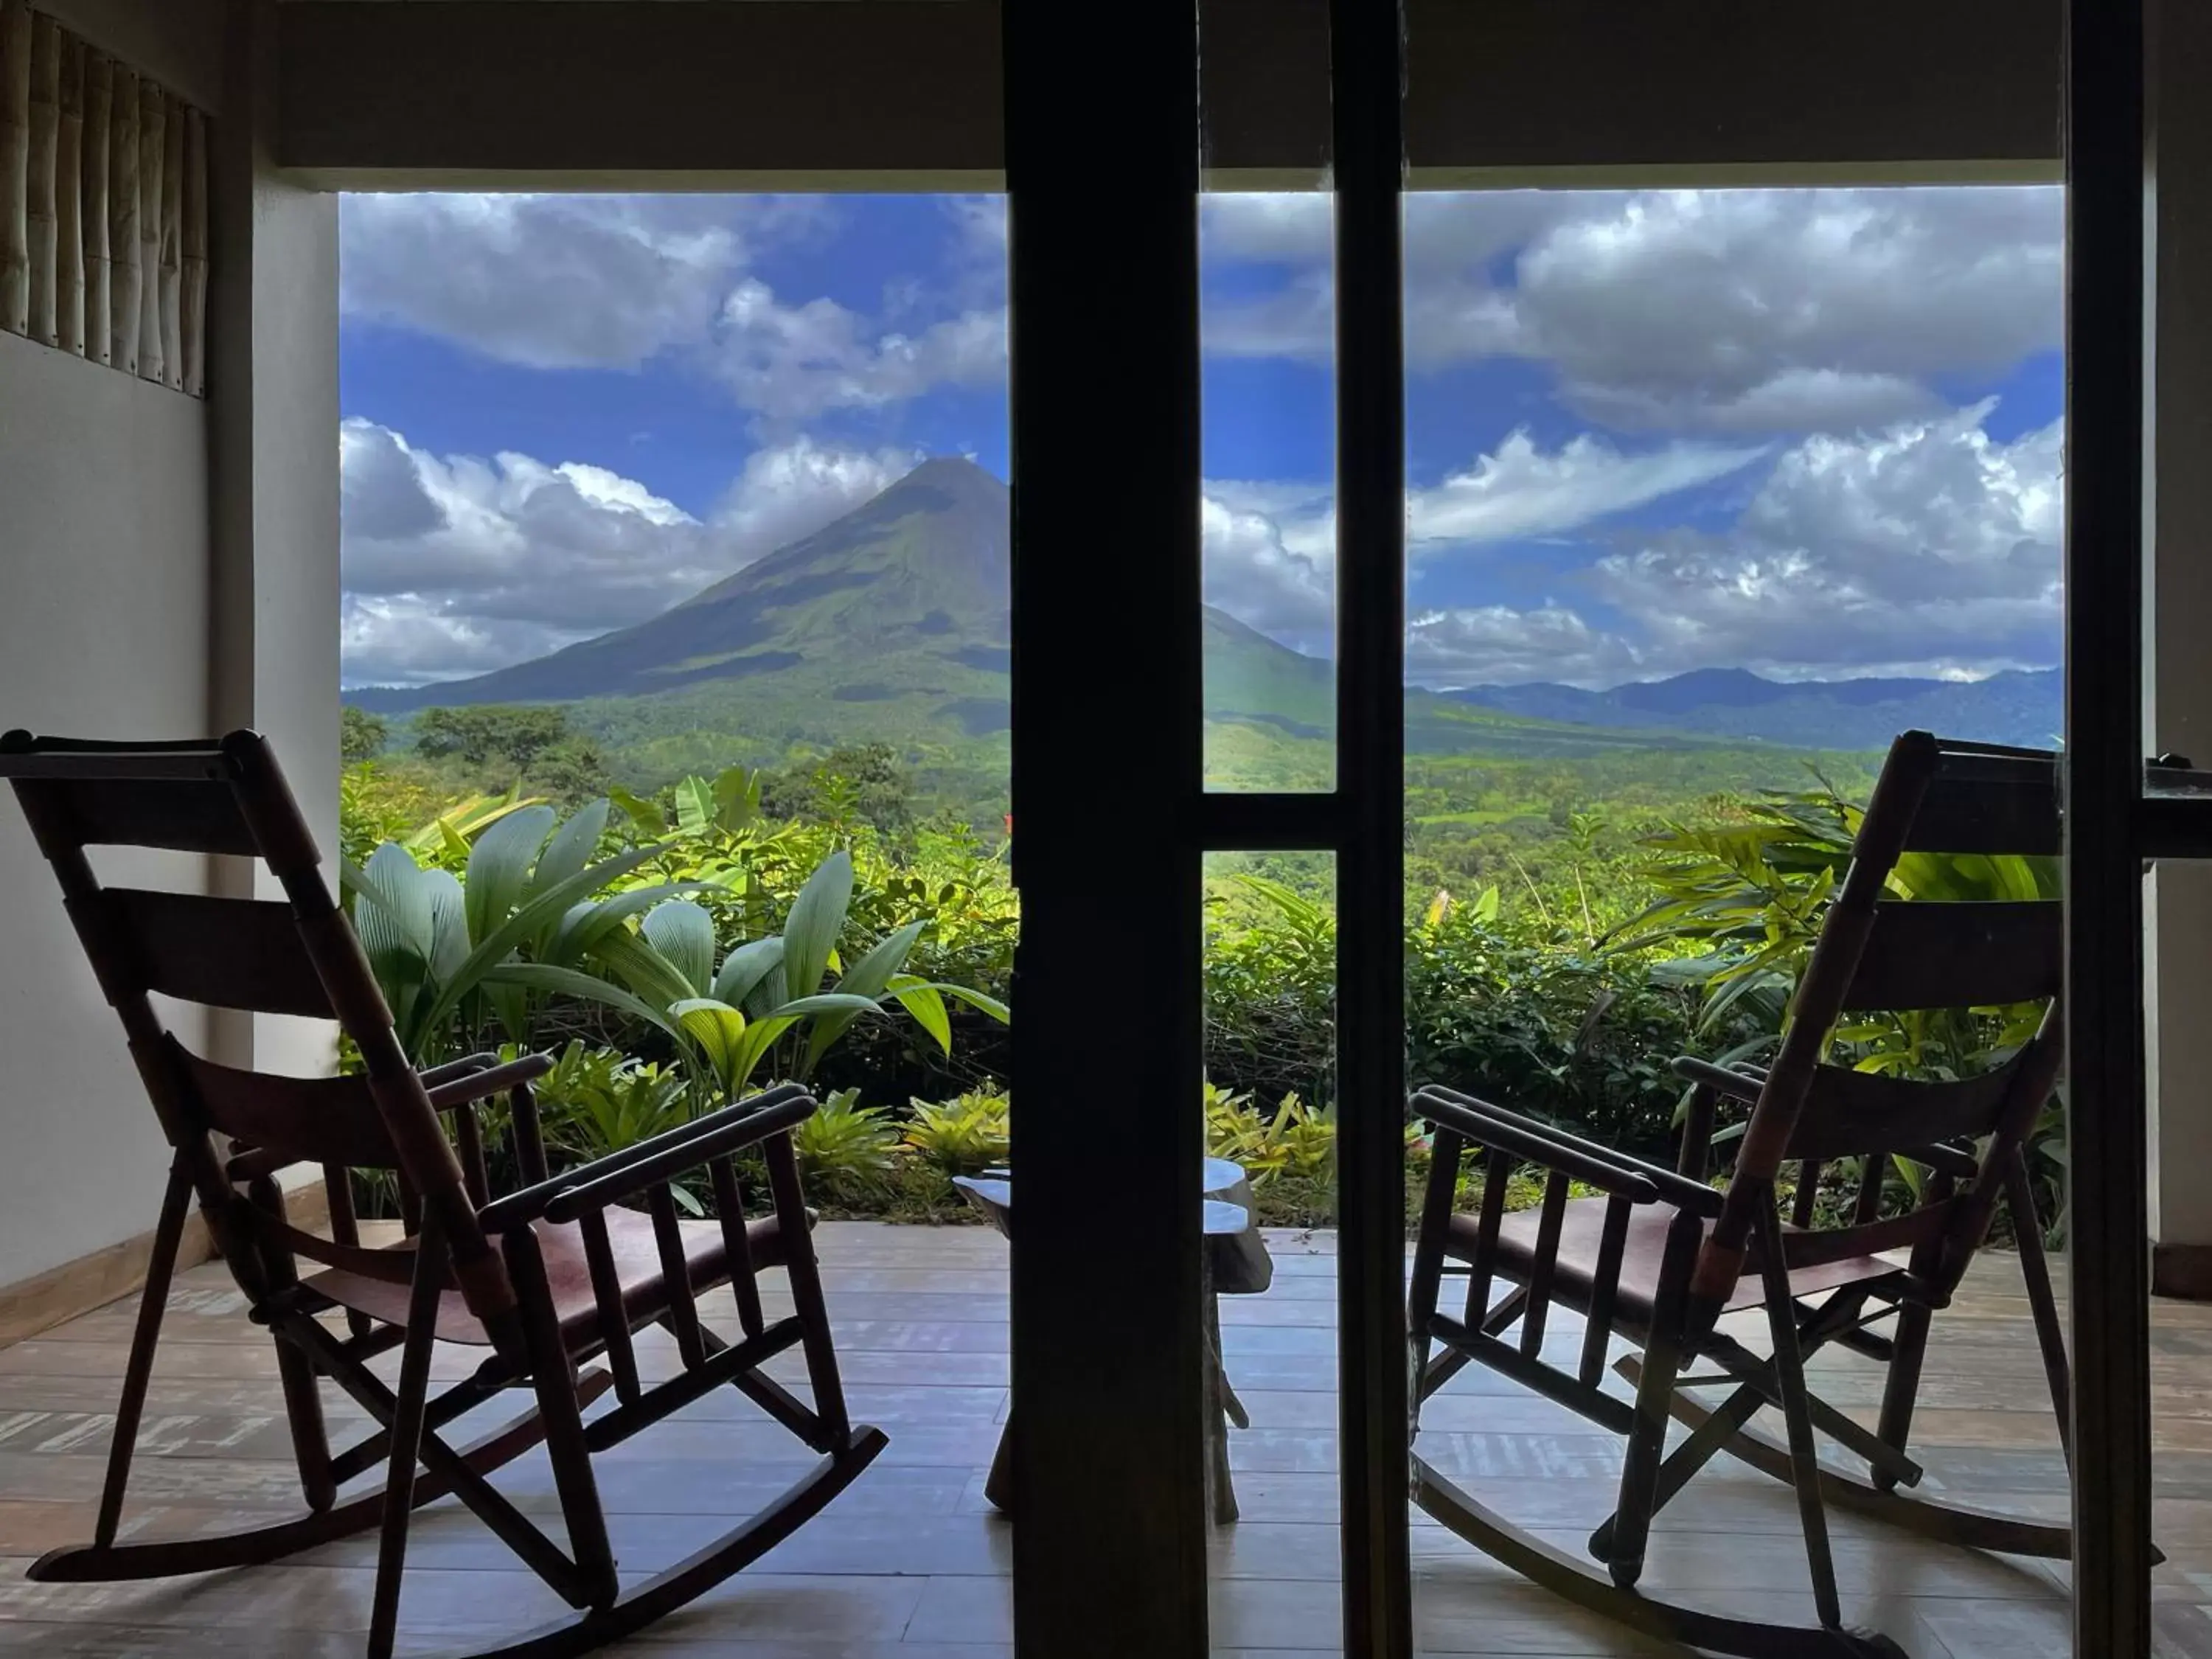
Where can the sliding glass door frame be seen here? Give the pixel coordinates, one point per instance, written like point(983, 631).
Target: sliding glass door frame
point(1112, 821)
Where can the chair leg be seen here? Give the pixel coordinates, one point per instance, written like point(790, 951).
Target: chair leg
point(555, 1377)
point(1429, 1262)
point(145, 1336)
point(1789, 1380)
point(1900, 1390)
point(2050, 1337)
point(805, 1275)
point(295, 1370)
point(412, 1397)
point(1647, 1439)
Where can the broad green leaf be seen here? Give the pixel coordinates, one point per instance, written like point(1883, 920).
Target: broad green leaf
point(643, 814)
point(449, 924)
point(633, 960)
point(990, 1004)
point(1485, 907)
point(588, 987)
point(585, 923)
point(499, 866)
point(925, 1004)
point(553, 901)
point(571, 847)
point(684, 934)
point(694, 806)
point(718, 1031)
point(818, 916)
point(744, 968)
point(868, 978)
point(737, 799)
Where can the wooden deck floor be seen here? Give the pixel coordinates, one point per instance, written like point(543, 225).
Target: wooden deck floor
point(911, 1564)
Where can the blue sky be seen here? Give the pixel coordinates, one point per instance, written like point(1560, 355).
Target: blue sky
point(1813, 433)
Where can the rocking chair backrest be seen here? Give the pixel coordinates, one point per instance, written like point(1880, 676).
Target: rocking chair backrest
point(227, 799)
point(1882, 953)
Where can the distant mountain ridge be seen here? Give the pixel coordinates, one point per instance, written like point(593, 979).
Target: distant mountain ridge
point(892, 623)
point(900, 606)
point(2019, 706)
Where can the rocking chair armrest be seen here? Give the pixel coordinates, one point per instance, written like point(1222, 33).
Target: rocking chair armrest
point(434, 1075)
point(1609, 1170)
point(459, 1090)
point(1947, 1158)
point(762, 1123)
point(1740, 1085)
point(1540, 1143)
point(619, 1173)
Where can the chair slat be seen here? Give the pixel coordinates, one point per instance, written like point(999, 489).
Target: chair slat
point(223, 952)
point(312, 1119)
point(1979, 803)
point(182, 815)
point(1852, 1114)
point(1928, 955)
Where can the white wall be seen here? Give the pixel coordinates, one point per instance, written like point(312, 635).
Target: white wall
point(105, 567)
point(168, 568)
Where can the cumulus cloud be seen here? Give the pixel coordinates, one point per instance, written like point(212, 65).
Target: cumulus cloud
point(1270, 548)
point(1930, 548)
point(618, 281)
point(550, 281)
point(1517, 490)
point(1746, 311)
point(793, 362)
point(453, 565)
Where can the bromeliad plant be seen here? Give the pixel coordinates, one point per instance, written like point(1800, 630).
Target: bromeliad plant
point(768, 993)
point(459, 958)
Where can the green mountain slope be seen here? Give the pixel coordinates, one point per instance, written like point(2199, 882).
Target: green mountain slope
point(891, 625)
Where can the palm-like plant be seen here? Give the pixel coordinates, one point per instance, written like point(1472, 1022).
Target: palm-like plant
point(456, 954)
point(729, 1018)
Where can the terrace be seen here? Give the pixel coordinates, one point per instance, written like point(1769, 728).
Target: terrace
point(913, 1560)
point(169, 502)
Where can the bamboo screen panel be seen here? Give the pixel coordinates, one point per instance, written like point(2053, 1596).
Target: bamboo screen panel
point(103, 207)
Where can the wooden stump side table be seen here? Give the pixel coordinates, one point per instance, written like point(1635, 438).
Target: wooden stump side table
point(1234, 1262)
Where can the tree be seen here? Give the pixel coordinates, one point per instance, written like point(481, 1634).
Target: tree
point(490, 732)
point(361, 735)
point(864, 782)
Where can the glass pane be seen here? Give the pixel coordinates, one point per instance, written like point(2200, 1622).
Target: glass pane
point(1270, 1108)
point(1266, 327)
point(1710, 493)
point(699, 505)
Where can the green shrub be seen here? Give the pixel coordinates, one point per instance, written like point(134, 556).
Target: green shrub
point(596, 1101)
point(847, 1149)
point(963, 1136)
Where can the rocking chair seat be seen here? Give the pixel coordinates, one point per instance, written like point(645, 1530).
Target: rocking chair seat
point(1582, 1228)
point(637, 1265)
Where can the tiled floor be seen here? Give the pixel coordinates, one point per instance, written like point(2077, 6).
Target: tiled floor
point(911, 1562)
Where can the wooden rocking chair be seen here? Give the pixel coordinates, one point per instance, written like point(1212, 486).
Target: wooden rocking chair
point(547, 1277)
point(1660, 1255)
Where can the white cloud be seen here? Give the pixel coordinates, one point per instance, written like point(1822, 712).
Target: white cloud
point(1495, 644)
point(551, 282)
point(1747, 311)
point(1517, 490)
point(453, 565)
point(1930, 549)
point(787, 492)
point(791, 361)
point(618, 282)
point(1270, 548)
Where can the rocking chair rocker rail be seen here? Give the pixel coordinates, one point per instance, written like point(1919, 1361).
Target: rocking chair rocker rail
point(538, 1274)
point(1660, 1255)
